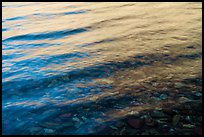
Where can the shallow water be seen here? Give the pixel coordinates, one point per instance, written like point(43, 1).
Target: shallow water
point(59, 59)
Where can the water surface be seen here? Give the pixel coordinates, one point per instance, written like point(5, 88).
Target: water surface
point(63, 62)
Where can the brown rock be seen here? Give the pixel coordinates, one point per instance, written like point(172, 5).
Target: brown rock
point(198, 130)
point(136, 123)
point(168, 111)
point(150, 122)
point(65, 115)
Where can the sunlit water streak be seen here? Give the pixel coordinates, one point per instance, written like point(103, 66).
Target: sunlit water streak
point(58, 55)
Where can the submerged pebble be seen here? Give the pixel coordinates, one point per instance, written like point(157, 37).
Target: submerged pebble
point(49, 131)
point(158, 114)
point(136, 123)
point(184, 99)
point(84, 118)
point(163, 96)
point(113, 127)
point(150, 122)
point(188, 126)
point(179, 85)
point(198, 94)
point(175, 120)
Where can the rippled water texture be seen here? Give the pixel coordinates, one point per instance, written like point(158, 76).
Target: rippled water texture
point(63, 62)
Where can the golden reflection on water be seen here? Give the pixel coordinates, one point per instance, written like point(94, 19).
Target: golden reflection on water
point(142, 27)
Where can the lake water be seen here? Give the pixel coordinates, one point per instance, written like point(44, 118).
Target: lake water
point(68, 68)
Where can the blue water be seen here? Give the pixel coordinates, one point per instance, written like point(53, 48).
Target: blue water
point(59, 58)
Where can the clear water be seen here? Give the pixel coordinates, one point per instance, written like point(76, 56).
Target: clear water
point(62, 58)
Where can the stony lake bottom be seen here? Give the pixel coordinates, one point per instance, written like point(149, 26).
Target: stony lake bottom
point(125, 68)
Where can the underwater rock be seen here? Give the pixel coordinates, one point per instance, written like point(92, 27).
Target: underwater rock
point(145, 133)
point(107, 81)
point(68, 124)
point(48, 124)
point(118, 107)
point(176, 110)
point(100, 128)
point(135, 113)
point(168, 111)
point(150, 122)
point(191, 106)
point(175, 120)
point(163, 96)
point(198, 130)
point(134, 103)
point(188, 126)
point(198, 94)
point(49, 131)
point(153, 132)
point(65, 115)
point(76, 119)
point(190, 47)
point(179, 85)
point(113, 127)
point(165, 129)
point(162, 120)
point(158, 114)
point(35, 129)
point(188, 118)
point(171, 131)
point(84, 118)
point(183, 99)
point(120, 124)
point(158, 108)
point(136, 123)
point(78, 124)
point(150, 132)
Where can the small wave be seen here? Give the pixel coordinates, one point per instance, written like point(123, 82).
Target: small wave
point(4, 29)
point(60, 14)
point(97, 42)
point(46, 35)
point(16, 18)
point(28, 46)
point(75, 12)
